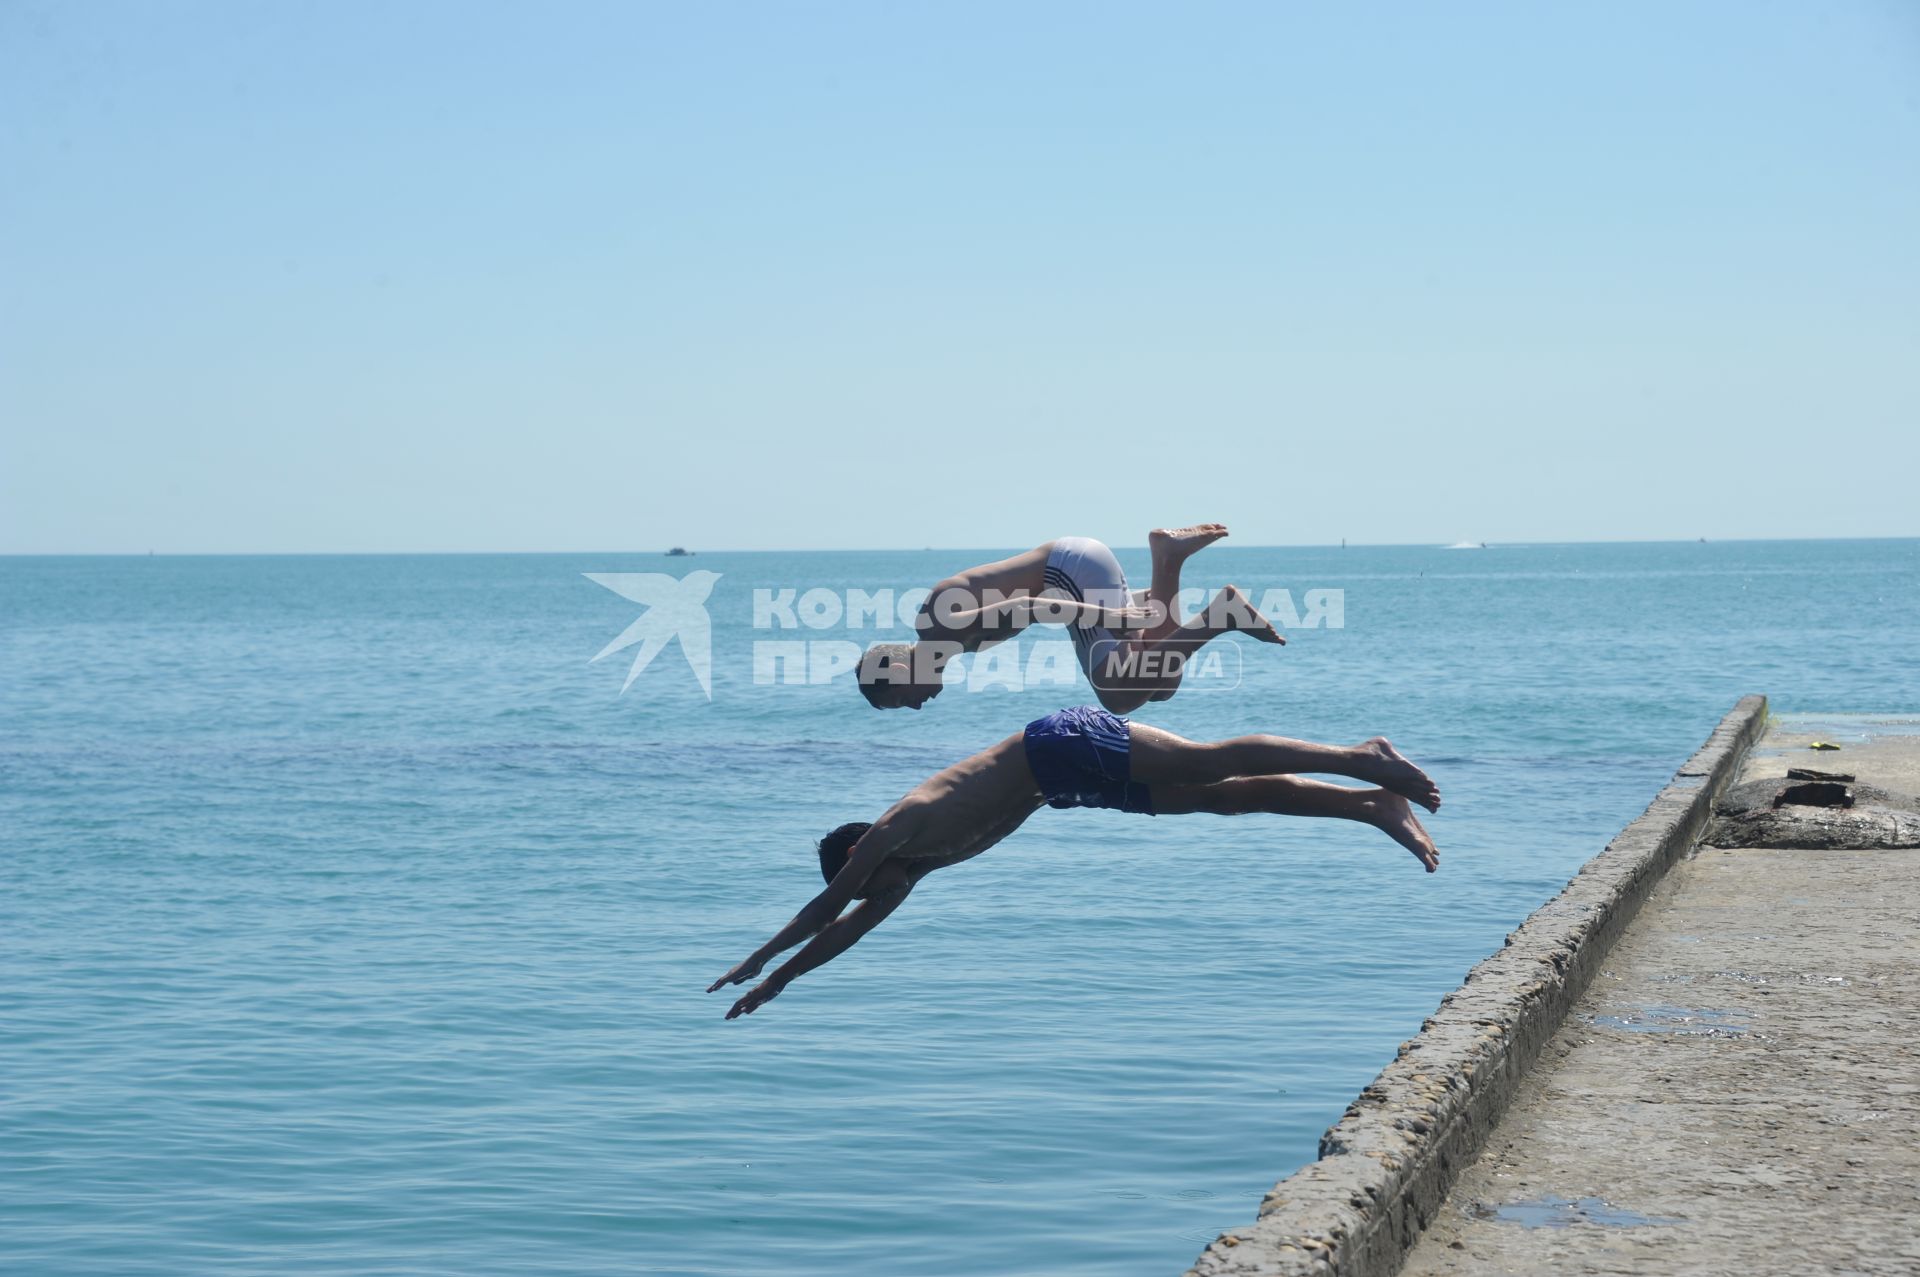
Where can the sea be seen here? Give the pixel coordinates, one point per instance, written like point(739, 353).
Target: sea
point(355, 919)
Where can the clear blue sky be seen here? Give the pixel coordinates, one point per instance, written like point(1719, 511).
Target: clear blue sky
point(338, 277)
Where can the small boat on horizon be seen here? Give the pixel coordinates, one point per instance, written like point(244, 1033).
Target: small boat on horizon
point(679, 552)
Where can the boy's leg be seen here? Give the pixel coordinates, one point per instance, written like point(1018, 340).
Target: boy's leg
point(1171, 548)
point(1160, 757)
point(1134, 670)
point(1291, 796)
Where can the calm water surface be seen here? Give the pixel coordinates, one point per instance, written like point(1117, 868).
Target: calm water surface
point(352, 922)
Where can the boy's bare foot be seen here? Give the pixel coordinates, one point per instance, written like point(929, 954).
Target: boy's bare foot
point(1231, 610)
point(1178, 544)
point(1394, 818)
point(1393, 770)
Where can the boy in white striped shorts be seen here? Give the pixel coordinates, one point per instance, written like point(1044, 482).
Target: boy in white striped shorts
point(1133, 650)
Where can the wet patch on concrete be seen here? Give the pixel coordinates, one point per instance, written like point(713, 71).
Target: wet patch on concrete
point(1681, 1021)
point(1814, 815)
point(1561, 1212)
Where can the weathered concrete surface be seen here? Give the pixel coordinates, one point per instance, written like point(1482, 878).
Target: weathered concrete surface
point(1774, 813)
point(1386, 1166)
point(1883, 815)
point(1744, 1075)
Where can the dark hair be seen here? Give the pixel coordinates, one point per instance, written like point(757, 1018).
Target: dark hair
point(835, 846)
point(876, 669)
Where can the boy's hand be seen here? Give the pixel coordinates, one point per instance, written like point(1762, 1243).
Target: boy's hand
point(758, 996)
point(739, 975)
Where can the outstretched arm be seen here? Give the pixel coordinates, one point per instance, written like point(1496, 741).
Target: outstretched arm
point(838, 937)
point(888, 833)
point(1017, 612)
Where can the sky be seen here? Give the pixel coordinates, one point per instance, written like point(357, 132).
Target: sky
point(346, 277)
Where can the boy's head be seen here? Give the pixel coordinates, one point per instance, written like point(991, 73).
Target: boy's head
point(887, 678)
point(835, 846)
point(887, 877)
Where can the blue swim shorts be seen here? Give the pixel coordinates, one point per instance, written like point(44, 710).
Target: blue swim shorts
point(1081, 757)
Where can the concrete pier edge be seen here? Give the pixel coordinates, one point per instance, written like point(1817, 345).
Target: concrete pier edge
point(1386, 1166)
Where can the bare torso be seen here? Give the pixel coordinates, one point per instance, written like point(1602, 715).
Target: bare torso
point(1021, 574)
point(959, 812)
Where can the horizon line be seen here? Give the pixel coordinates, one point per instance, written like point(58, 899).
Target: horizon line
point(942, 549)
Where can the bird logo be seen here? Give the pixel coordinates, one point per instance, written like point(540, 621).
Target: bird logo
point(676, 608)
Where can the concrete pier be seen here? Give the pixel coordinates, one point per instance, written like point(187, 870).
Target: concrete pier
point(1693, 1060)
point(1739, 1090)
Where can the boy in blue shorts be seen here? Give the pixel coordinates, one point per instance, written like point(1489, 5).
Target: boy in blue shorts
point(1079, 757)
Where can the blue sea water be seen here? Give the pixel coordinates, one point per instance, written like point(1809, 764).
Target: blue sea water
point(352, 922)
